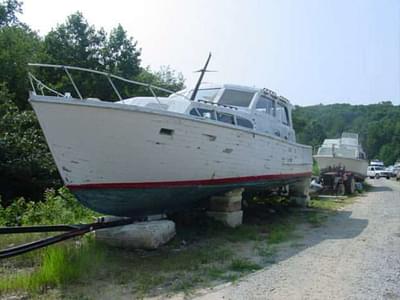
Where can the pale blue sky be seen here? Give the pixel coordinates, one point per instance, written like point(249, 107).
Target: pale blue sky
point(310, 51)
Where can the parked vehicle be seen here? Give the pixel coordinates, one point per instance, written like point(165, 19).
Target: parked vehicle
point(397, 172)
point(391, 170)
point(377, 172)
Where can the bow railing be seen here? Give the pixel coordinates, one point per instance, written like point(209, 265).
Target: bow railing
point(36, 84)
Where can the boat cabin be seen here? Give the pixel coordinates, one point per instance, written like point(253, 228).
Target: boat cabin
point(346, 146)
point(248, 108)
point(255, 109)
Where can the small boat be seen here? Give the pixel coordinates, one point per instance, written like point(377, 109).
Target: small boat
point(377, 163)
point(345, 152)
point(150, 155)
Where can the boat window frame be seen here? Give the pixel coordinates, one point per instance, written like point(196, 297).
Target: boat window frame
point(211, 111)
point(196, 111)
point(285, 111)
point(221, 113)
point(230, 89)
point(247, 120)
point(264, 110)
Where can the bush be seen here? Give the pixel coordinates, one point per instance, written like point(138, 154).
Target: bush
point(58, 207)
point(26, 165)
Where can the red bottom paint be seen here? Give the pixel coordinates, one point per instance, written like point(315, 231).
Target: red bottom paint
point(185, 183)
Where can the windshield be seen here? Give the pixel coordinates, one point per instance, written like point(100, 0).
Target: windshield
point(236, 98)
point(206, 94)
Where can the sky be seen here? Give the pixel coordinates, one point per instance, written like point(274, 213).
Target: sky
point(309, 51)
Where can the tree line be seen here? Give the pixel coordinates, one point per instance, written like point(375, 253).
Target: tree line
point(26, 166)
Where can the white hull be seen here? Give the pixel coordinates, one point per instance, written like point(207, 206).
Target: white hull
point(120, 150)
point(358, 166)
point(94, 143)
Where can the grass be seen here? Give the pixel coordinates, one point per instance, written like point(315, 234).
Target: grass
point(204, 253)
point(243, 265)
point(216, 257)
point(59, 265)
point(316, 218)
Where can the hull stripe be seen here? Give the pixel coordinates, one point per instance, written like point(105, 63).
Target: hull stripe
point(185, 183)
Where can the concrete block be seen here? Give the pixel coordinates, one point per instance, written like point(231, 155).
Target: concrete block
point(225, 203)
point(230, 219)
point(235, 192)
point(142, 235)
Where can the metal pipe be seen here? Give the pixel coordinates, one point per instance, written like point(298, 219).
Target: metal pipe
point(73, 83)
point(113, 86)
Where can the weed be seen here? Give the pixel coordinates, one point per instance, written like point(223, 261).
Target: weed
point(280, 233)
point(243, 265)
point(60, 265)
point(265, 250)
point(216, 273)
point(315, 218)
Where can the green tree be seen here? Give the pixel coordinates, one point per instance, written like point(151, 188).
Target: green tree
point(26, 166)
point(8, 12)
point(166, 78)
point(120, 55)
point(77, 43)
point(18, 47)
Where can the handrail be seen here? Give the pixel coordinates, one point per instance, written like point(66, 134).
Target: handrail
point(107, 75)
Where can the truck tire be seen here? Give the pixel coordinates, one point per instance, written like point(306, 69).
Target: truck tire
point(377, 176)
point(350, 185)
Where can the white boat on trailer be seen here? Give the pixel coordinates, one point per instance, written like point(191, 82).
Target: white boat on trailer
point(345, 152)
point(147, 155)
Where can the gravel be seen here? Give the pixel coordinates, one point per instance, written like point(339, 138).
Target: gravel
point(355, 255)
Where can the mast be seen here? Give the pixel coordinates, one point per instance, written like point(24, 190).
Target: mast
point(202, 71)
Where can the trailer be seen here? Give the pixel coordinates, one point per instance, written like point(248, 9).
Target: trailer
point(338, 181)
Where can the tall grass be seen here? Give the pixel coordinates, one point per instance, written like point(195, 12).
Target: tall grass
point(60, 265)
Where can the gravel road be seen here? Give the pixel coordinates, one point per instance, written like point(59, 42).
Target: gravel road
point(355, 255)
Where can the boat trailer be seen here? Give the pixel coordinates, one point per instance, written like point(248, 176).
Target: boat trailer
point(69, 231)
point(338, 181)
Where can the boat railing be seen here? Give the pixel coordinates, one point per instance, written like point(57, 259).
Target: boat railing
point(36, 84)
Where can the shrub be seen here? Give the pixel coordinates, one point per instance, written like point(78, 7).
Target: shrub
point(26, 165)
point(58, 207)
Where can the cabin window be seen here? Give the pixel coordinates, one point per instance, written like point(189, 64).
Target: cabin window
point(236, 98)
point(266, 105)
point(244, 122)
point(194, 112)
point(207, 94)
point(282, 113)
point(226, 118)
point(207, 113)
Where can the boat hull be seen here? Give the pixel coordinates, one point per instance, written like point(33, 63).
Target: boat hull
point(126, 160)
point(130, 200)
point(357, 166)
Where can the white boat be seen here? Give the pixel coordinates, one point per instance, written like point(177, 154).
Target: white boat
point(377, 163)
point(344, 152)
point(146, 155)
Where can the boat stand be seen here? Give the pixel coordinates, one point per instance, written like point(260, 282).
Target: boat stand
point(69, 231)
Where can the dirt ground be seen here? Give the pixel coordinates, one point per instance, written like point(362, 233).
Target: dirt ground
point(355, 255)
